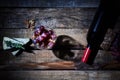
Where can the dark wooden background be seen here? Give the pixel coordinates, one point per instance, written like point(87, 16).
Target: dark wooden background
point(65, 17)
point(49, 3)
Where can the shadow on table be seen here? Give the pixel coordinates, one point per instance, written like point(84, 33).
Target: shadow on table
point(66, 47)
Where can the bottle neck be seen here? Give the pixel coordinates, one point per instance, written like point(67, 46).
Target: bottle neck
point(90, 54)
point(86, 54)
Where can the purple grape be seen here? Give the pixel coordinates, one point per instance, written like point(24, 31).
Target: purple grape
point(50, 44)
point(43, 37)
point(37, 32)
point(50, 32)
point(53, 36)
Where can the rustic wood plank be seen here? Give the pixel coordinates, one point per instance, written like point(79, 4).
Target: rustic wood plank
point(49, 3)
point(47, 59)
point(49, 75)
point(60, 75)
point(38, 57)
point(49, 17)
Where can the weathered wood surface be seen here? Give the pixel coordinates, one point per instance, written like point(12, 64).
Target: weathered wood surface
point(60, 75)
point(73, 22)
point(49, 17)
point(47, 59)
point(49, 3)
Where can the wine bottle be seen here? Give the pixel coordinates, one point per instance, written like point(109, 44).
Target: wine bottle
point(105, 17)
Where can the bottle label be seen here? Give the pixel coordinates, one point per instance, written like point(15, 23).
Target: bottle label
point(86, 55)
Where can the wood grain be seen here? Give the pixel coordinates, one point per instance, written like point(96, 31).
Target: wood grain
point(73, 22)
point(60, 75)
point(46, 59)
point(47, 3)
point(49, 17)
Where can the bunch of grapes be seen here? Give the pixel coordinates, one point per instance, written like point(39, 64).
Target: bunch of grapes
point(43, 38)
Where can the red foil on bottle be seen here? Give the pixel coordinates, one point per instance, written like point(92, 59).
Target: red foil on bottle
point(86, 55)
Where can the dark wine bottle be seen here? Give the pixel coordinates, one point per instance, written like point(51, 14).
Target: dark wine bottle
point(105, 17)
